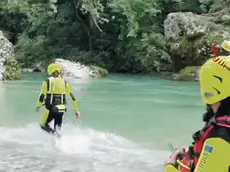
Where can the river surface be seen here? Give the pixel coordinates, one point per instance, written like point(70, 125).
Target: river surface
point(127, 123)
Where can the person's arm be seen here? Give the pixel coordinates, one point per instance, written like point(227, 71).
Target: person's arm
point(170, 168)
point(214, 156)
point(42, 95)
point(70, 94)
point(171, 164)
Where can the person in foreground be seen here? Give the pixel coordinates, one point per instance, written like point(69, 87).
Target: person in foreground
point(211, 147)
point(53, 96)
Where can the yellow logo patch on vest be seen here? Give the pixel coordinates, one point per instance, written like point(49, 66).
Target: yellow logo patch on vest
point(61, 108)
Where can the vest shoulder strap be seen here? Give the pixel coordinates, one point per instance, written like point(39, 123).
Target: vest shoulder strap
point(223, 121)
point(219, 121)
point(48, 81)
point(48, 84)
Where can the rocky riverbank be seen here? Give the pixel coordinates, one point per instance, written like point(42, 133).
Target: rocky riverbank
point(188, 40)
point(189, 37)
point(9, 68)
point(79, 71)
point(73, 70)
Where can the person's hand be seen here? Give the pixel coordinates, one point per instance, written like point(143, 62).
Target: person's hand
point(173, 158)
point(37, 109)
point(78, 114)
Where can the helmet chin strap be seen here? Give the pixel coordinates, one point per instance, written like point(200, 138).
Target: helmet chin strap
point(224, 108)
point(209, 114)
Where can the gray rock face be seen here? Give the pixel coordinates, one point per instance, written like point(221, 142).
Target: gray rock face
point(190, 36)
point(185, 24)
point(190, 25)
point(75, 70)
point(190, 73)
point(6, 51)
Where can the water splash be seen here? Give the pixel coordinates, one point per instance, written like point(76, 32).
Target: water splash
point(28, 148)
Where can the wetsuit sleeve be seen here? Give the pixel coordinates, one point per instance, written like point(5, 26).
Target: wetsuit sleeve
point(42, 94)
point(170, 168)
point(70, 94)
point(214, 156)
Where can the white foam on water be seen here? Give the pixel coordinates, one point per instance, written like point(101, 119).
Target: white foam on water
point(79, 149)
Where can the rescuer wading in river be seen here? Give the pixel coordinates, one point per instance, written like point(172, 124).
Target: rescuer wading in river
point(53, 96)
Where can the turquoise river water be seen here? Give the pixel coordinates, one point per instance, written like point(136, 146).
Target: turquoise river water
point(127, 123)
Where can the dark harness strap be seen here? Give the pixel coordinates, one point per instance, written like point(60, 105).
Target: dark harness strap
point(48, 84)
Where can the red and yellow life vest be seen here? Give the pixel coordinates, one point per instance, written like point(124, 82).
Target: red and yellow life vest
point(191, 159)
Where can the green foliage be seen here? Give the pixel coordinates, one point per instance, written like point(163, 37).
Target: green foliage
point(140, 35)
point(137, 13)
point(183, 6)
point(217, 5)
point(206, 5)
point(12, 69)
point(120, 35)
point(128, 39)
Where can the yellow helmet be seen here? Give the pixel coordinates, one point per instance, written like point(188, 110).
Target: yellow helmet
point(226, 45)
point(52, 68)
point(215, 80)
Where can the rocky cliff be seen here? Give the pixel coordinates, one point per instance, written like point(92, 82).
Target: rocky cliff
point(189, 37)
point(75, 70)
point(9, 68)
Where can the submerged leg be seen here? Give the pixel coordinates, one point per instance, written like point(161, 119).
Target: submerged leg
point(58, 121)
point(46, 119)
point(48, 129)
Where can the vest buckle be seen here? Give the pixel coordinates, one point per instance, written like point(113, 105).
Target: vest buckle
point(212, 120)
